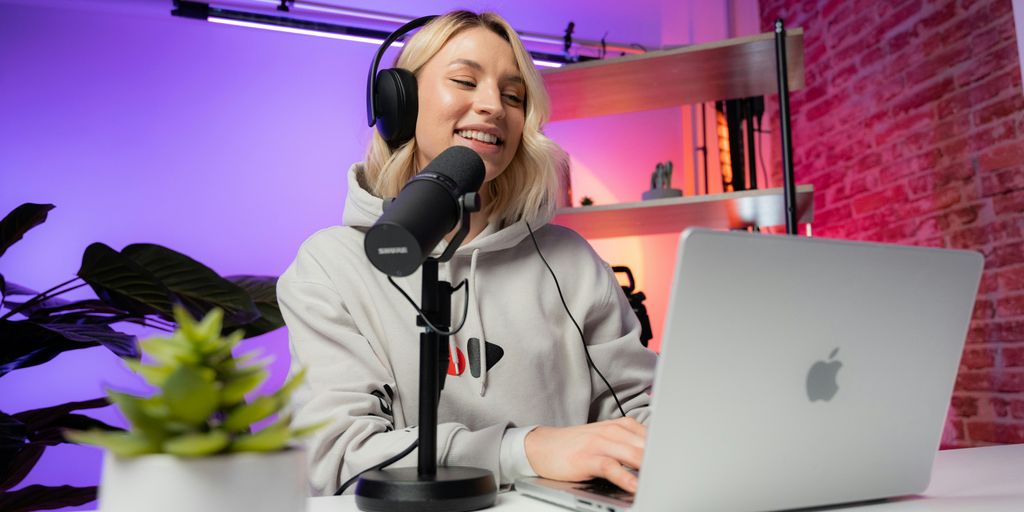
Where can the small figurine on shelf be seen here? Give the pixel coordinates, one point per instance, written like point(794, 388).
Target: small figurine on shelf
point(586, 201)
point(661, 183)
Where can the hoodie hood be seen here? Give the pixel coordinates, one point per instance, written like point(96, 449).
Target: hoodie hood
point(362, 209)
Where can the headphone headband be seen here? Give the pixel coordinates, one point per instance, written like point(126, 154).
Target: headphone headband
point(371, 81)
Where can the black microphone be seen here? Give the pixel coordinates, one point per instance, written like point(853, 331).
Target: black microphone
point(426, 209)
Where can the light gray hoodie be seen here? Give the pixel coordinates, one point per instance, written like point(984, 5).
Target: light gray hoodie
point(357, 337)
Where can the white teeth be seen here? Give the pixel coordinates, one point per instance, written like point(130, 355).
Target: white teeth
point(480, 136)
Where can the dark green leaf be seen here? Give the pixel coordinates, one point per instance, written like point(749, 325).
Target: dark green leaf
point(89, 311)
point(52, 302)
point(199, 288)
point(28, 344)
point(263, 290)
point(121, 282)
point(40, 418)
point(121, 344)
point(19, 221)
point(41, 497)
point(15, 289)
point(19, 465)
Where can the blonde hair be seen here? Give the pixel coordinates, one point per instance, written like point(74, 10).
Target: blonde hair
point(527, 188)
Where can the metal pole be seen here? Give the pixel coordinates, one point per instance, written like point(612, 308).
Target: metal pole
point(788, 181)
point(429, 347)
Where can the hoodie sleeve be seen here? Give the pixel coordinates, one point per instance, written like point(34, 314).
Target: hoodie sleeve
point(349, 386)
point(613, 337)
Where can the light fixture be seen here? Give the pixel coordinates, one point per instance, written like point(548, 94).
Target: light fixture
point(204, 11)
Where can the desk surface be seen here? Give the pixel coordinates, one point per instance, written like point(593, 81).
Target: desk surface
point(987, 479)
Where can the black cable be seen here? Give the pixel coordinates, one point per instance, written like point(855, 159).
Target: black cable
point(348, 483)
point(465, 308)
point(586, 350)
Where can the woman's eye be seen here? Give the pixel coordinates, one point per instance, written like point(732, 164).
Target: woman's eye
point(464, 83)
point(514, 99)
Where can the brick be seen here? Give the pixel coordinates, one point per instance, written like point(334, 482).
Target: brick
point(937, 64)
point(893, 16)
point(1010, 306)
point(873, 201)
point(1000, 407)
point(983, 309)
point(1010, 203)
point(993, 135)
point(994, 432)
point(977, 359)
point(1011, 279)
point(1000, 157)
point(1010, 106)
point(989, 283)
point(970, 238)
point(1012, 357)
point(946, 197)
point(924, 95)
point(965, 406)
point(938, 18)
point(985, 63)
point(1003, 182)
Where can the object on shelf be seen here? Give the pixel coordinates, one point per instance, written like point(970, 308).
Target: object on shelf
point(737, 121)
point(661, 183)
point(586, 201)
point(636, 301)
point(764, 207)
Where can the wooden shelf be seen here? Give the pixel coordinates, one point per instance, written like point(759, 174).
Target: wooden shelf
point(734, 68)
point(673, 215)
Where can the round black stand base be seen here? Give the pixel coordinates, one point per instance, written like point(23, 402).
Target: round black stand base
point(456, 489)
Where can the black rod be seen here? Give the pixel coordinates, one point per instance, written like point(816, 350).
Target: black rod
point(748, 121)
point(429, 347)
point(788, 180)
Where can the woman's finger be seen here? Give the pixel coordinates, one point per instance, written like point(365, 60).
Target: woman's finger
point(622, 453)
point(612, 471)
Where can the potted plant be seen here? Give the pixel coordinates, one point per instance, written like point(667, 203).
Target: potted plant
point(139, 284)
point(192, 445)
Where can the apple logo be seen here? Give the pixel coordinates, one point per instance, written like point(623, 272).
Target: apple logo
point(821, 379)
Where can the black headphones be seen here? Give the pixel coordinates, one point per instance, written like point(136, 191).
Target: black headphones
point(391, 99)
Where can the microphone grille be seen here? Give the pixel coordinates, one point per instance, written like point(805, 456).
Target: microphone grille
point(463, 166)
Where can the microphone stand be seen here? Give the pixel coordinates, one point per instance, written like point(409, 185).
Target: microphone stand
point(426, 487)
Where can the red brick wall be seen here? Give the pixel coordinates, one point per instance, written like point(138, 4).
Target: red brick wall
point(911, 128)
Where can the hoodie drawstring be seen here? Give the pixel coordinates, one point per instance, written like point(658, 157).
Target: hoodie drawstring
point(482, 382)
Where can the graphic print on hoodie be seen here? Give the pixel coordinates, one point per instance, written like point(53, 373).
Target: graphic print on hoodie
point(457, 361)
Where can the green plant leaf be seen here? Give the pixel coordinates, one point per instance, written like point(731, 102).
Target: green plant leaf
point(144, 414)
point(124, 444)
point(199, 288)
point(197, 445)
point(121, 282)
point(190, 396)
point(172, 351)
point(284, 395)
point(19, 221)
point(244, 415)
point(241, 382)
point(263, 290)
point(272, 438)
point(154, 375)
point(41, 497)
point(9, 289)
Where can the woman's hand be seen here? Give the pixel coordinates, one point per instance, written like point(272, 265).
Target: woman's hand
point(601, 449)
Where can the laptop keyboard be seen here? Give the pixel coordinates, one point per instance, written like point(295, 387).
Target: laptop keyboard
point(605, 488)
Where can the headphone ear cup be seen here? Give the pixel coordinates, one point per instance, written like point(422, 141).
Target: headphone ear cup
point(396, 105)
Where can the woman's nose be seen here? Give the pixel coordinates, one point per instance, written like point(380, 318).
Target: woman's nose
point(487, 101)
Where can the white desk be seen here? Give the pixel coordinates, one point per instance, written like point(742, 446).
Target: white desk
point(969, 480)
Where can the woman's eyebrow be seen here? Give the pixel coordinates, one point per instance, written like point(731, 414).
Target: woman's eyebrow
point(477, 66)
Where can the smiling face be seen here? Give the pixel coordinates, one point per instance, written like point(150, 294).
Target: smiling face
point(471, 94)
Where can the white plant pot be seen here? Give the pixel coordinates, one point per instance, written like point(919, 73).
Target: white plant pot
point(251, 482)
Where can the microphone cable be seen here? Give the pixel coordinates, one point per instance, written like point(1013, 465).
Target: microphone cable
point(583, 339)
point(348, 483)
point(465, 312)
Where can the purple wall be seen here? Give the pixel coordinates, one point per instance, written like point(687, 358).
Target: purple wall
point(231, 145)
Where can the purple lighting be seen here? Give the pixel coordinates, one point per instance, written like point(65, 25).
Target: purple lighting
point(302, 31)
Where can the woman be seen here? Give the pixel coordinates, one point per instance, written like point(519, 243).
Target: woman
point(520, 398)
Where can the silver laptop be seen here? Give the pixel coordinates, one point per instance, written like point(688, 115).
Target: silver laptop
point(796, 372)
